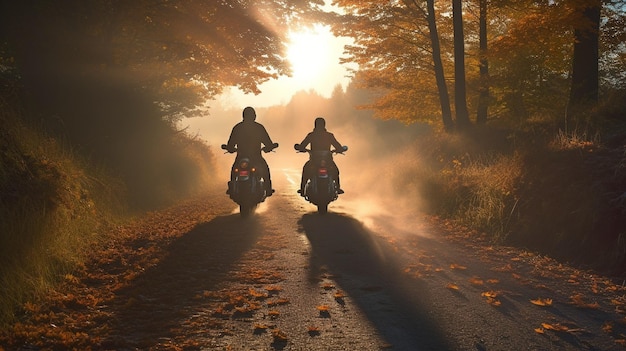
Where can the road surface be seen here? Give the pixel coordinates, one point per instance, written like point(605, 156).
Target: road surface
point(362, 277)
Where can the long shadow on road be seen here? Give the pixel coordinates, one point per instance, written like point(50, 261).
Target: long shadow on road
point(153, 306)
point(366, 268)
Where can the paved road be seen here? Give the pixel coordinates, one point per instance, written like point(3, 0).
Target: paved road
point(369, 275)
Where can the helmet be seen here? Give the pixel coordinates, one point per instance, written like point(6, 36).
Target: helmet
point(320, 122)
point(249, 114)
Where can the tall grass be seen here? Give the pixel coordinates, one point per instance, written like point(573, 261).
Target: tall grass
point(471, 183)
point(53, 207)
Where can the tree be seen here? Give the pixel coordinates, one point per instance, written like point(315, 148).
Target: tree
point(397, 48)
point(460, 94)
point(438, 67)
point(483, 88)
point(585, 77)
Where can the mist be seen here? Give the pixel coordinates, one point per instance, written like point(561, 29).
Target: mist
point(378, 151)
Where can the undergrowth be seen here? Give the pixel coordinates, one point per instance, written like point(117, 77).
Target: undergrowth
point(559, 193)
point(52, 208)
point(56, 205)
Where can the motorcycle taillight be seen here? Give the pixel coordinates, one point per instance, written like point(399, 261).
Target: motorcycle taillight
point(243, 173)
point(322, 171)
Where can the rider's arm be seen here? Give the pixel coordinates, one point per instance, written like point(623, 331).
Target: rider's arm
point(232, 140)
point(265, 137)
point(305, 142)
point(334, 142)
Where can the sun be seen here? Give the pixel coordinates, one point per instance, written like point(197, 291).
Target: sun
point(309, 53)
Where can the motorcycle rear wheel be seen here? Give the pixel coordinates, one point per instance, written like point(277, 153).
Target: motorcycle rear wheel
point(322, 208)
point(245, 210)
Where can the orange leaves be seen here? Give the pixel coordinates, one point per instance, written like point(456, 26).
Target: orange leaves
point(324, 310)
point(457, 266)
point(338, 295)
point(313, 331)
point(491, 297)
point(579, 301)
point(260, 327)
point(273, 289)
point(542, 302)
point(273, 314)
point(277, 302)
point(279, 336)
point(257, 294)
point(476, 281)
point(452, 286)
point(328, 286)
point(557, 327)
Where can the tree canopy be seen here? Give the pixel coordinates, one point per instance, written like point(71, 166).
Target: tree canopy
point(530, 53)
point(179, 52)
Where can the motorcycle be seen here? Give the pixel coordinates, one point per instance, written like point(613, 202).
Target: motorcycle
point(247, 185)
point(321, 188)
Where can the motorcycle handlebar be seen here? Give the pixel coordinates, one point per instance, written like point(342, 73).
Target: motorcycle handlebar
point(335, 151)
point(269, 148)
point(266, 148)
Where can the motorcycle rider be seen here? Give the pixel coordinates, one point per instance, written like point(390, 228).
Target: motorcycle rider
point(320, 140)
point(247, 136)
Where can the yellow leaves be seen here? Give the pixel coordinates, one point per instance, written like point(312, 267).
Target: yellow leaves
point(542, 302)
point(457, 266)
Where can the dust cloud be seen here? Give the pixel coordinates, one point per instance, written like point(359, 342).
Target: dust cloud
point(373, 170)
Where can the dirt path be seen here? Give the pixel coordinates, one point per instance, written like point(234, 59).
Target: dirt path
point(199, 277)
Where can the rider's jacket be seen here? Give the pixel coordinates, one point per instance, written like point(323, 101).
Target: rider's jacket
point(248, 137)
point(320, 140)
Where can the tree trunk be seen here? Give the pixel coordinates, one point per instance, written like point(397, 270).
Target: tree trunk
point(444, 98)
point(460, 93)
point(584, 86)
point(483, 89)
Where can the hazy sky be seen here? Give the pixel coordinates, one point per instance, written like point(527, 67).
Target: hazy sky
point(315, 60)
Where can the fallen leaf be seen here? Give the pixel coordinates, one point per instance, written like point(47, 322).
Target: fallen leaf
point(542, 302)
point(452, 286)
point(476, 281)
